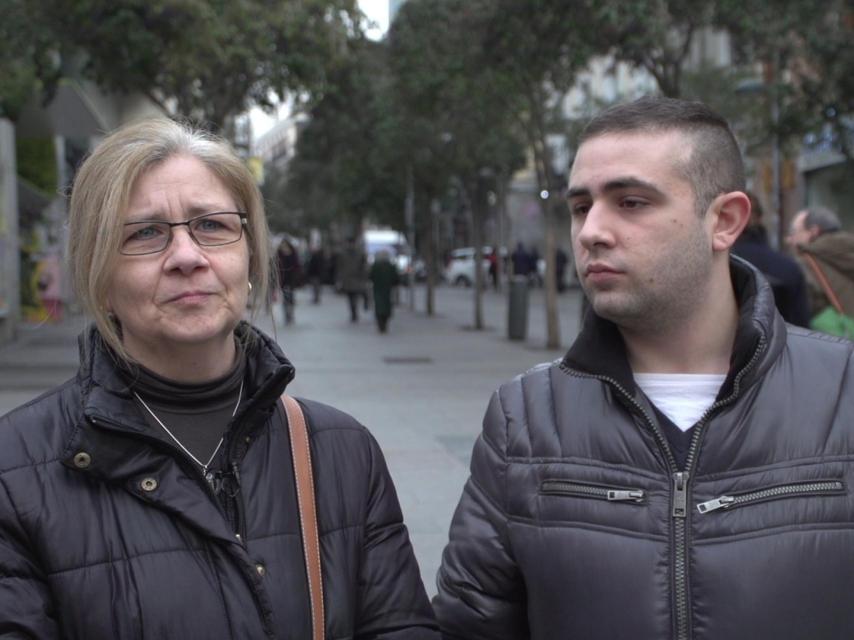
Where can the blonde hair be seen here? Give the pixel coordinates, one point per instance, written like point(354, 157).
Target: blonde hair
point(100, 196)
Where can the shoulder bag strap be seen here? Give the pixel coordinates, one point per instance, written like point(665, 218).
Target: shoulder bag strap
point(823, 281)
point(301, 454)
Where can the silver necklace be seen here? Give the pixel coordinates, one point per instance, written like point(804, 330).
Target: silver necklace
point(203, 465)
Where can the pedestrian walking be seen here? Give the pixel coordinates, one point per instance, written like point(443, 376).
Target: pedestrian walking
point(165, 491)
point(561, 260)
point(492, 260)
point(521, 261)
point(782, 272)
point(352, 273)
point(686, 470)
point(385, 278)
point(50, 287)
point(826, 252)
point(289, 275)
point(315, 271)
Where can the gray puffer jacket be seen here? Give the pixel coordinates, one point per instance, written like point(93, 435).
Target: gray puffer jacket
point(108, 532)
point(576, 523)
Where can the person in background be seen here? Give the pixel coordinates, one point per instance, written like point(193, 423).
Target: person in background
point(290, 274)
point(315, 271)
point(352, 273)
point(521, 261)
point(384, 276)
point(492, 259)
point(782, 272)
point(153, 495)
point(50, 287)
point(560, 269)
point(686, 470)
point(817, 231)
point(533, 267)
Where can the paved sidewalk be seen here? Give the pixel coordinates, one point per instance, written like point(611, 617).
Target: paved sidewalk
point(421, 389)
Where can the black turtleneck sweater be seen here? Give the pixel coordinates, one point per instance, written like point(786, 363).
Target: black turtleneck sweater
point(197, 414)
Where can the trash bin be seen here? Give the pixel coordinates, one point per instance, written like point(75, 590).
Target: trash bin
point(517, 308)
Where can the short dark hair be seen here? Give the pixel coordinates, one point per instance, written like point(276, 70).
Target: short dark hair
point(714, 166)
point(826, 220)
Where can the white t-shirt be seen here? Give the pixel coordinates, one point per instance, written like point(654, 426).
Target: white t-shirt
point(682, 397)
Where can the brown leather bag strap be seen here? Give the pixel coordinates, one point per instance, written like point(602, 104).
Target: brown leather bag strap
point(301, 454)
point(824, 282)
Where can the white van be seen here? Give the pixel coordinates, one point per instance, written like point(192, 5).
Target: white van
point(394, 242)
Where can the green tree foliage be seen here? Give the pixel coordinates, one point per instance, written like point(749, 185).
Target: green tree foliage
point(344, 168)
point(204, 59)
point(653, 35)
point(804, 50)
point(36, 163)
point(27, 60)
point(459, 117)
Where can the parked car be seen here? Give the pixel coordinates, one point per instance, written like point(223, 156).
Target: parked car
point(459, 269)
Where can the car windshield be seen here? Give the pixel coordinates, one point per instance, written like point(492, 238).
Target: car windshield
point(373, 247)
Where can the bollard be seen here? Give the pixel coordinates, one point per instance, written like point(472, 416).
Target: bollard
point(517, 308)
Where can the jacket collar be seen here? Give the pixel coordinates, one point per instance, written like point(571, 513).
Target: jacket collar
point(600, 350)
point(112, 415)
point(105, 392)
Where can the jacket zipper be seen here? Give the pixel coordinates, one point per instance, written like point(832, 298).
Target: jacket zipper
point(681, 479)
point(584, 490)
point(792, 490)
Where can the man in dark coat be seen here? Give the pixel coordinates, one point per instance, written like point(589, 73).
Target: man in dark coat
point(384, 277)
point(289, 273)
point(314, 271)
point(783, 273)
point(685, 472)
point(352, 273)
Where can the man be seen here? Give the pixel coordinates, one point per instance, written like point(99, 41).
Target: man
point(353, 275)
point(686, 470)
point(817, 232)
point(783, 273)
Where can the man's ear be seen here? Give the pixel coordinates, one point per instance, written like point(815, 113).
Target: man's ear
point(730, 214)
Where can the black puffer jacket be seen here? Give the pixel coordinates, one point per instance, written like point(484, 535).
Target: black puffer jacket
point(129, 542)
point(576, 523)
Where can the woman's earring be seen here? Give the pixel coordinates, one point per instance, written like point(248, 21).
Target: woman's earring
point(250, 286)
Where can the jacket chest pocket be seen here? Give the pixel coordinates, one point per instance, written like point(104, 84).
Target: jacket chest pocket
point(628, 503)
point(815, 488)
point(609, 493)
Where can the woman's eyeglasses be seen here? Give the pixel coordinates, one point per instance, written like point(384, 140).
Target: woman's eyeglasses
point(208, 230)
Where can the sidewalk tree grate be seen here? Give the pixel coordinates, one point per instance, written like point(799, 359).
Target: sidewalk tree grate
point(407, 360)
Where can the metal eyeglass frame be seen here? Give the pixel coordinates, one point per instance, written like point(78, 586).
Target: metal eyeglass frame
point(244, 220)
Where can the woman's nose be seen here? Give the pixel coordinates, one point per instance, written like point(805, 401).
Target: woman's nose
point(183, 251)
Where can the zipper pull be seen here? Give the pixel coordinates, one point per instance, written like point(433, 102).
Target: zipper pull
point(713, 505)
point(627, 496)
point(680, 494)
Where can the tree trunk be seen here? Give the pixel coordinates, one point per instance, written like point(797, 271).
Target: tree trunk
point(552, 316)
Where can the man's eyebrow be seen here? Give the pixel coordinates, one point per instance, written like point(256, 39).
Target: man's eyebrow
point(615, 185)
point(577, 192)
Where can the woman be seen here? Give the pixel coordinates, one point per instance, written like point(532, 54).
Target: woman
point(153, 495)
